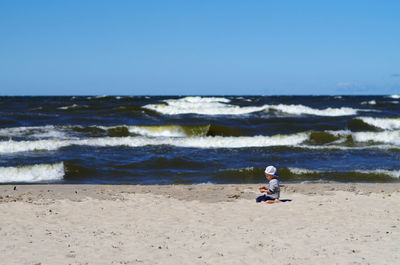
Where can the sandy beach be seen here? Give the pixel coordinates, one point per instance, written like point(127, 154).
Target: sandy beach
point(199, 224)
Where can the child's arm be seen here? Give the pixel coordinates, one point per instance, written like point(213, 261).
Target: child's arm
point(263, 189)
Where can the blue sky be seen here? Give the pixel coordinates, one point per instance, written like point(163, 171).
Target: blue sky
point(199, 47)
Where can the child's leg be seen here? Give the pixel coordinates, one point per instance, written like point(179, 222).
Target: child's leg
point(271, 201)
point(261, 198)
point(264, 198)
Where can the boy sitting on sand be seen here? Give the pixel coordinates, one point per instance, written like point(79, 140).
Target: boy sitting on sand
point(272, 189)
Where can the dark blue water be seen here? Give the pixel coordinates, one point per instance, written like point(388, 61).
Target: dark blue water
point(190, 140)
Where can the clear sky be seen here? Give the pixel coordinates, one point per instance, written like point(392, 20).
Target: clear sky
point(199, 47)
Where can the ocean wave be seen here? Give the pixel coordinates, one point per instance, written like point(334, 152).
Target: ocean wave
point(293, 174)
point(371, 102)
point(201, 106)
point(98, 97)
point(163, 130)
point(170, 130)
point(347, 148)
point(395, 96)
point(354, 175)
point(189, 142)
point(12, 146)
point(201, 100)
point(32, 173)
point(174, 130)
point(73, 107)
point(391, 173)
point(218, 106)
point(301, 109)
point(300, 171)
point(48, 131)
point(198, 142)
point(313, 140)
point(383, 123)
point(388, 137)
point(351, 139)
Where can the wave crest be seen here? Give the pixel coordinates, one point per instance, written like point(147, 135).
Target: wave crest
point(382, 123)
point(218, 106)
point(32, 173)
point(312, 140)
point(375, 175)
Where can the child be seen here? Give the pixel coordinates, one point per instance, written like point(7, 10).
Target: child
point(272, 189)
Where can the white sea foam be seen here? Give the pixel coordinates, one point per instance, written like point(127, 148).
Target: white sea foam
point(384, 123)
point(244, 99)
point(205, 183)
point(395, 96)
point(190, 142)
point(32, 173)
point(97, 97)
point(201, 99)
point(200, 142)
point(169, 130)
point(341, 147)
point(65, 132)
point(380, 140)
point(391, 173)
point(301, 109)
point(388, 137)
point(371, 102)
point(38, 132)
point(73, 106)
point(202, 106)
point(27, 146)
point(218, 106)
point(172, 131)
point(301, 171)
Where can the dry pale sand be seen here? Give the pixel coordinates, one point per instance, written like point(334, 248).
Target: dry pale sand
point(208, 224)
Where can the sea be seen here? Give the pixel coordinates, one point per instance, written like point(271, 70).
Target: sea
point(199, 139)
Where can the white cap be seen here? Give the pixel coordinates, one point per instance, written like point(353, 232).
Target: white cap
point(271, 170)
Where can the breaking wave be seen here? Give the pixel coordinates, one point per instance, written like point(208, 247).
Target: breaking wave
point(166, 130)
point(325, 139)
point(382, 123)
point(377, 175)
point(190, 142)
point(218, 106)
point(73, 107)
point(201, 106)
point(12, 146)
point(38, 132)
point(170, 130)
point(291, 174)
point(303, 171)
point(32, 173)
point(301, 109)
point(388, 137)
point(371, 102)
